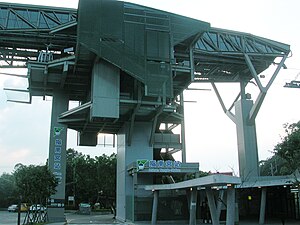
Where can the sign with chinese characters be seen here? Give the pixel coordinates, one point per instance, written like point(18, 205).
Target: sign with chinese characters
point(57, 153)
point(158, 166)
point(56, 203)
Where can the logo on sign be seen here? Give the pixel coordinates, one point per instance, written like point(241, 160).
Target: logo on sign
point(141, 164)
point(57, 131)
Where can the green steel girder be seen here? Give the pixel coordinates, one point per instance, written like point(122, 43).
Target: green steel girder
point(218, 41)
point(18, 17)
point(220, 55)
point(26, 29)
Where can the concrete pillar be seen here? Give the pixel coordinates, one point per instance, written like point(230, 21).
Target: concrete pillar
point(126, 155)
point(57, 156)
point(247, 140)
point(154, 208)
point(263, 206)
point(193, 206)
point(230, 213)
point(212, 206)
point(220, 202)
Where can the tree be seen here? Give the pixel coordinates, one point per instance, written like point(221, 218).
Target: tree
point(289, 148)
point(89, 179)
point(8, 192)
point(34, 183)
point(274, 166)
point(106, 174)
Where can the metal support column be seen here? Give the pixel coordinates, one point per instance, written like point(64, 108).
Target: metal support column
point(212, 206)
point(263, 206)
point(154, 208)
point(183, 151)
point(57, 156)
point(230, 213)
point(193, 206)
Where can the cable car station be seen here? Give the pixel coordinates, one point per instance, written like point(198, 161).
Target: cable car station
point(127, 66)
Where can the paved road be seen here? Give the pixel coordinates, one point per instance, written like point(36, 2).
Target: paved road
point(108, 219)
point(8, 218)
point(73, 218)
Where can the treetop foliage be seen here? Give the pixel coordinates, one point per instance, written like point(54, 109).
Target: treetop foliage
point(34, 183)
point(286, 158)
point(289, 148)
point(89, 179)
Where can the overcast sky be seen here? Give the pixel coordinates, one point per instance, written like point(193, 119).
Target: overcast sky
point(210, 134)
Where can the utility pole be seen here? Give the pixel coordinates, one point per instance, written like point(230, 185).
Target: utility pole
point(19, 209)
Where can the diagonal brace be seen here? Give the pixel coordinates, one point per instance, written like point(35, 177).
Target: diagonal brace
point(154, 124)
point(227, 112)
point(254, 111)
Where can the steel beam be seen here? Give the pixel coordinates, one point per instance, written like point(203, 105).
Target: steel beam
point(183, 151)
point(263, 200)
point(154, 208)
point(227, 112)
point(254, 111)
point(193, 206)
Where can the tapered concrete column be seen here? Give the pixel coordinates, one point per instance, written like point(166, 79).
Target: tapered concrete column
point(57, 156)
point(212, 206)
point(263, 206)
point(247, 140)
point(154, 208)
point(193, 206)
point(230, 213)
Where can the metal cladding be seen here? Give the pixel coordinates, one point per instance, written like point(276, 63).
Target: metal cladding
point(156, 48)
point(137, 39)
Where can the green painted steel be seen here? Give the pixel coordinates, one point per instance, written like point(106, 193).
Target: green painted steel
point(137, 39)
point(18, 17)
point(221, 54)
point(159, 54)
point(26, 29)
point(128, 66)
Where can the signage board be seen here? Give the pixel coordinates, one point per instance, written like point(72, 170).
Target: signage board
point(163, 166)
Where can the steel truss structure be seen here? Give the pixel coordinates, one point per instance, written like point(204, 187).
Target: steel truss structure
point(127, 65)
point(27, 30)
point(211, 55)
point(49, 42)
